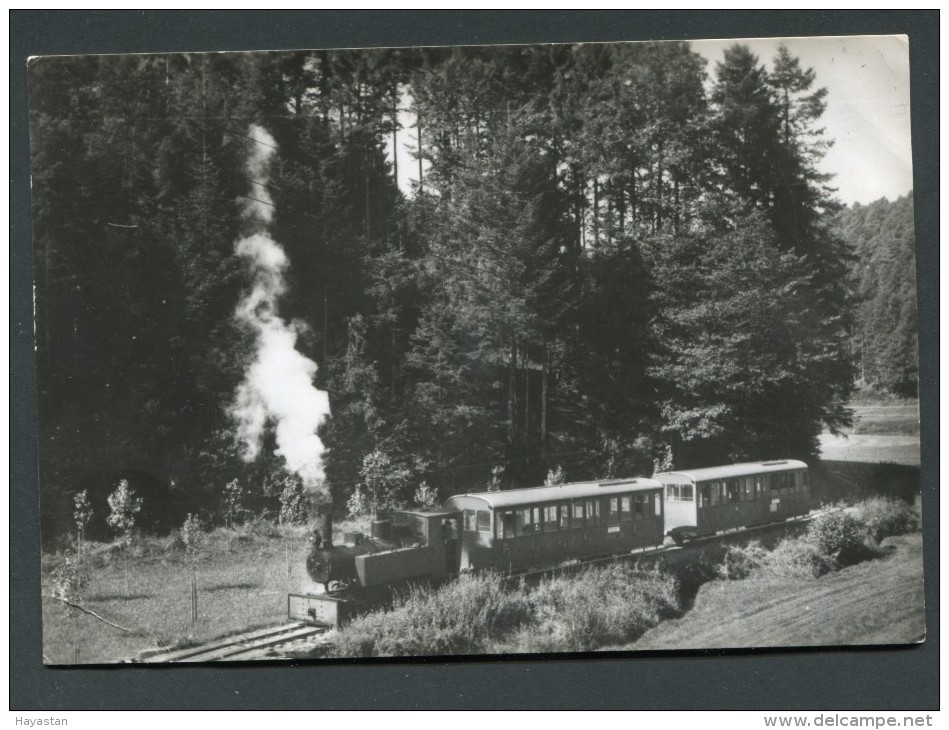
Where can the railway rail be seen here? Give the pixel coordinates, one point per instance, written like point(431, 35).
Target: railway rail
point(269, 643)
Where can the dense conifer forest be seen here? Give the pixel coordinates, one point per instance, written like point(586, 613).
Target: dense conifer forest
point(615, 259)
point(884, 279)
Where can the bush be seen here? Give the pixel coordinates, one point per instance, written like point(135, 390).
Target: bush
point(424, 496)
point(598, 607)
point(293, 503)
point(798, 558)
point(740, 561)
point(886, 516)
point(480, 614)
point(454, 619)
point(835, 531)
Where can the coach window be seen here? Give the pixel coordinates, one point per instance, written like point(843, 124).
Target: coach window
point(672, 492)
point(732, 491)
point(551, 519)
point(716, 495)
point(686, 493)
point(626, 509)
point(577, 520)
point(470, 520)
point(506, 524)
point(612, 513)
point(564, 516)
point(484, 521)
point(639, 506)
point(705, 495)
point(593, 512)
point(527, 523)
point(804, 475)
point(657, 507)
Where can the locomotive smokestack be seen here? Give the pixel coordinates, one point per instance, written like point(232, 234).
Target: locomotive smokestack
point(325, 517)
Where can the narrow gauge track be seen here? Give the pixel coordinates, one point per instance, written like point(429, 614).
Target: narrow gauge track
point(266, 643)
point(259, 644)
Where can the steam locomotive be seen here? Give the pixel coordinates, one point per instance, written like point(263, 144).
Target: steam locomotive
point(522, 530)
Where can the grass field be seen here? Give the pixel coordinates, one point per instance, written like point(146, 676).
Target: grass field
point(876, 602)
point(897, 419)
point(883, 430)
point(238, 590)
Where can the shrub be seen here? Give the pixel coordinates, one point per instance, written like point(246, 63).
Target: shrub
point(835, 531)
point(384, 482)
point(885, 516)
point(600, 606)
point(357, 505)
point(555, 476)
point(424, 496)
point(232, 508)
point(457, 618)
point(740, 561)
point(293, 504)
point(70, 578)
point(797, 558)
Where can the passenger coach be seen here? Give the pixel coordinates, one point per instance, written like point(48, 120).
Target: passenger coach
point(526, 528)
point(705, 501)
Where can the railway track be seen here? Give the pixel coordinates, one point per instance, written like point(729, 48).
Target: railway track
point(269, 643)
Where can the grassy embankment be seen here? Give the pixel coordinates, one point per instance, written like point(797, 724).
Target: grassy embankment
point(876, 602)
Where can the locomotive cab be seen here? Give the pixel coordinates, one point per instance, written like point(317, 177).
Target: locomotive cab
point(430, 549)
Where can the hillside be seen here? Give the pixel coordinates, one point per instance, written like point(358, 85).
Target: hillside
point(880, 601)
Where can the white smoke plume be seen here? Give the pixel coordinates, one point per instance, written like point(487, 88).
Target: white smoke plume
point(278, 386)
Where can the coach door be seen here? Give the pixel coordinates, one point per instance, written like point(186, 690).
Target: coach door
point(451, 535)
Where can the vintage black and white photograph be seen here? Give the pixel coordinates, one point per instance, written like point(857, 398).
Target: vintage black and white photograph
point(476, 350)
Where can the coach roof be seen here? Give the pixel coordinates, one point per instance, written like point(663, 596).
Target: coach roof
point(733, 471)
point(561, 492)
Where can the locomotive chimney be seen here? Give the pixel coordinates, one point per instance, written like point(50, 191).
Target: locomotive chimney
point(325, 517)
